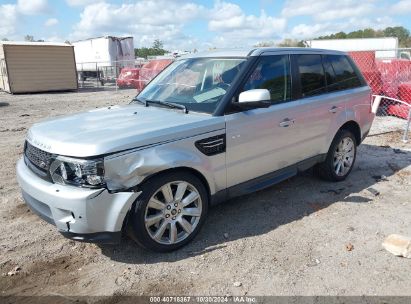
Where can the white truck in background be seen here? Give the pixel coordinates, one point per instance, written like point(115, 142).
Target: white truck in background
point(103, 57)
point(385, 47)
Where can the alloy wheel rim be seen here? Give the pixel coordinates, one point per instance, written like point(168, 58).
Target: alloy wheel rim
point(173, 212)
point(344, 156)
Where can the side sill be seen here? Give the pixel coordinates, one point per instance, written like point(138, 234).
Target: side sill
point(266, 180)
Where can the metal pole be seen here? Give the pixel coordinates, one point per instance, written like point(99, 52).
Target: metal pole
point(97, 76)
point(81, 75)
point(407, 126)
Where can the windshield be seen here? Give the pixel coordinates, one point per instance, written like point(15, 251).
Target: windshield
point(199, 84)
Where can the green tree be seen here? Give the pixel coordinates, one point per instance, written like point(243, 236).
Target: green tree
point(155, 50)
point(401, 33)
point(340, 35)
point(5, 39)
point(301, 43)
point(158, 44)
point(29, 38)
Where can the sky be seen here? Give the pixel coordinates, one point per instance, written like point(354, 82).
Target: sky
point(196, 24)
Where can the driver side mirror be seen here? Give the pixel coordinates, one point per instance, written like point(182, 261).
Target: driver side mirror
point(256, 97)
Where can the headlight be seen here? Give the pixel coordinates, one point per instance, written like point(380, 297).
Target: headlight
point(77, 172)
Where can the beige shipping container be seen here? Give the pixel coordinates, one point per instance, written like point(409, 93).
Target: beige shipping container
point(28, 67)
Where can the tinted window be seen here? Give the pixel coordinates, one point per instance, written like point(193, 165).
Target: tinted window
point(340, 74)
point(311, 74)
point(272, 73)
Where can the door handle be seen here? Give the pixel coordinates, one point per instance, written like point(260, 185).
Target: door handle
point(286, 122)
point(334, 109)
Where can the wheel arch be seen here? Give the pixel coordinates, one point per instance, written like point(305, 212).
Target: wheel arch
point(193, 171)
point(198, 174)
point(354, 128)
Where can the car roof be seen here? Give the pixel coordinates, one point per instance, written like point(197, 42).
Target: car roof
point(261, 51)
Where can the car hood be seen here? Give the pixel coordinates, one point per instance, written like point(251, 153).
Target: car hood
point(118, 128)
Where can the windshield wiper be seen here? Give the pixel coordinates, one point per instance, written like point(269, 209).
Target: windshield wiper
point(144, 102)
point(168, 104)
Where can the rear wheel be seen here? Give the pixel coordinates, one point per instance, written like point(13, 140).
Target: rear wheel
point(340, 158)
point(169, 212)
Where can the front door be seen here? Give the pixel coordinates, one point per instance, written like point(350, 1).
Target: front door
point(262, 140)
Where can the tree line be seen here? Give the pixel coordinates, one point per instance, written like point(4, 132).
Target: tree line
point(403, 35)
point(157, 49)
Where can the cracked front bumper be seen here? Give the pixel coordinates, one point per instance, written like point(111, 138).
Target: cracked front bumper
point(92, 215)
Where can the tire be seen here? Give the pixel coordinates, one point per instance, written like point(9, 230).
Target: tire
point(159, 217)
point(338, 164)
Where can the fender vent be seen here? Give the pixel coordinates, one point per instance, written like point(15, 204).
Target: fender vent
point(211, 145)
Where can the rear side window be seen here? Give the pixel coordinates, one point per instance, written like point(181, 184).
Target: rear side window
point(311, 74)
point(272, 73)
point(340, 73)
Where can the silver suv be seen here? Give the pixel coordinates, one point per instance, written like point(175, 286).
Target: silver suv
point(208, 128)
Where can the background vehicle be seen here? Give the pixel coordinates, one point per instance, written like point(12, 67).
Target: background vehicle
point(139, 77)
point(151, 70)
point(208, 128)
point(128, 78)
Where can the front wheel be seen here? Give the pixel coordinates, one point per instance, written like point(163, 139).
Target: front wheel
point(340, 158)
point(169, 212)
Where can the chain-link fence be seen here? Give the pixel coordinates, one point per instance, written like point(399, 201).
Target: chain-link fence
point(388, 73)
point(119, 74)
point(103, 75)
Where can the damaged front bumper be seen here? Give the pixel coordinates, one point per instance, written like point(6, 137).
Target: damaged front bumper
point(90, 215)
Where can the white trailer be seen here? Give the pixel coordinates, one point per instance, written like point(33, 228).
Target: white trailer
point(384, 47)
point(103, 57)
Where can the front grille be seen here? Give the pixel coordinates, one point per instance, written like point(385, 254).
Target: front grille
point(39, 158)
point(212, 145)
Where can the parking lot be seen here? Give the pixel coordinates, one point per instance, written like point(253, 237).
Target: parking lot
point(303, 236)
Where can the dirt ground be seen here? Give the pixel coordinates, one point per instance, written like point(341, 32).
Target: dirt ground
point(289, 239)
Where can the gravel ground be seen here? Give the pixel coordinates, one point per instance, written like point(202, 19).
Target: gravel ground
point(290, 239)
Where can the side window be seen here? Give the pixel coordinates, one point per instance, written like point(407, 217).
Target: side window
point(272, 73)
point(311, 74)
point(342, 75)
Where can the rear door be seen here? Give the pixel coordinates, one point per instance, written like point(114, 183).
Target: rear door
point(323, 103)
point(351, 89)
point(316, 107)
